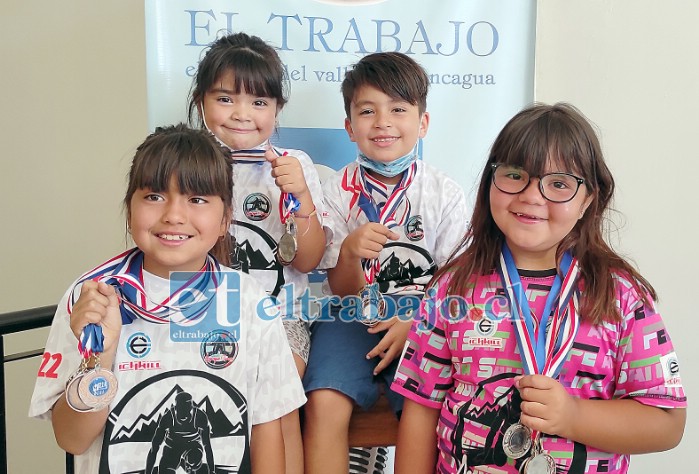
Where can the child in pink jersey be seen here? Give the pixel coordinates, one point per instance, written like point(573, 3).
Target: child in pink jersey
point(538, 348)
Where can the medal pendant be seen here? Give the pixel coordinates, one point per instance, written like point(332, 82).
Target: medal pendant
point(287, 245)
point(72, 398)
point(373, 305)
point(97, 388)
point(517, 441)
point(542, 463)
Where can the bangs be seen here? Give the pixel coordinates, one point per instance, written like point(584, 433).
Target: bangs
point(546, 144)
point(197, 167)
point(252, 74)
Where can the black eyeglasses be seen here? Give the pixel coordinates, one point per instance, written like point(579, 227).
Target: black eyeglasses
point(555, 187)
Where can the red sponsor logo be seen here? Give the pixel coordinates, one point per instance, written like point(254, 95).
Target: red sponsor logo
point(139, 365)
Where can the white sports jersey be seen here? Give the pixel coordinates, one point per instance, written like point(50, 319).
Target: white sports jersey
point(432, 220)
point(180, 404)
point(257, 226)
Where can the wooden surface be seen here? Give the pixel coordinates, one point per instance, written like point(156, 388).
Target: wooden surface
point(376, 427)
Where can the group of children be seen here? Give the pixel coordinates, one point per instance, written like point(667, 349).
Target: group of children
point(533, 346)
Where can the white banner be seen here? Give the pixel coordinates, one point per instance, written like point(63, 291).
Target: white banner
point(479, 55)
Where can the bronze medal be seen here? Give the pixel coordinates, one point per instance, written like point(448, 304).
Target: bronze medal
point(72, 397)
point(97, 388)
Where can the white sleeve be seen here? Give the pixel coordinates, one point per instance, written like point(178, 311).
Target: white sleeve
point(454, 221)
point(59, 361)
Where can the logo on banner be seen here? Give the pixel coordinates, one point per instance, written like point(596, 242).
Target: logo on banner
point(256, 207)
point(208, 310)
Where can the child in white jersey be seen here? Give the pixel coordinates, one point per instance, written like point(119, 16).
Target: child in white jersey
point(539, 348)
point(149, 371)
point(396, 219)
point(277, 226)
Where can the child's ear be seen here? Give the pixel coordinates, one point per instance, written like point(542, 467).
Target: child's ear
point(424, 125)
point(350, 132)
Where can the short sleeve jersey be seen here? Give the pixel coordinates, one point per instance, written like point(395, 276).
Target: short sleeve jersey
point(464, 364)
point(178, 399)
point(257, 227)
point(431, 221)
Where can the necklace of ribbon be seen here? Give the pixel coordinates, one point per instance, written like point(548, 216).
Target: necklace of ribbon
point(364, 187)
point(186, 304)
point(543, 352)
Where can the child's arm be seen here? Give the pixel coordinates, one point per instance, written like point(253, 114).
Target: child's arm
point(622, 426)
point(364, 242)
point(416, 448)
point(99, 304)
point(267, 448)
point(288, 176)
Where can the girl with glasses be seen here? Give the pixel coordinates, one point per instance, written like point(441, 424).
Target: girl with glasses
point(538, 348)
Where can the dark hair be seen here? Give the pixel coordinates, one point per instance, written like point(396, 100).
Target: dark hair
point(395, 74)
point(195, 158)
point(533, 138)
point(255, 65)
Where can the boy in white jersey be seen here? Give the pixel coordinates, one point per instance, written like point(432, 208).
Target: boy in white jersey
point(396, 219)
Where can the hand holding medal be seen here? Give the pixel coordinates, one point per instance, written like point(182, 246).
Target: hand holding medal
point(93, 388)
point(288, 176)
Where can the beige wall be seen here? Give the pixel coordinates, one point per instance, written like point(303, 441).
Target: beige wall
point(633, 69)
point(73, 109)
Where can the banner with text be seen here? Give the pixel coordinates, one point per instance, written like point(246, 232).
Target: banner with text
point(479, 55)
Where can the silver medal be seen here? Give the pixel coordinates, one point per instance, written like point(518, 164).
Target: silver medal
point(97, 388)
point(287, 245)
point(542, 463)
point(373, 305)
point(517, 441)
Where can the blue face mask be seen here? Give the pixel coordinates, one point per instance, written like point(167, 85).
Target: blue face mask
point(391, 169)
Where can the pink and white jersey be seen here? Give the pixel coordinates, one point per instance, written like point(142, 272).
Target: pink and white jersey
point(465, 361)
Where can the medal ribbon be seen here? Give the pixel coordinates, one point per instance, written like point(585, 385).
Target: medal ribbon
point(125, 273)
point(386, 214)
point(254, 155)
point(543, 353)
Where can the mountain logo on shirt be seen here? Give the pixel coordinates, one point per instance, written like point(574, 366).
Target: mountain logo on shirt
point(179, 421)
point(256, 207)
point(253, 251)
point(413, 229)
point(219, 349)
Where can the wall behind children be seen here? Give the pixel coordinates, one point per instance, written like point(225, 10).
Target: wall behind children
point(73, 103)
point(479, 55)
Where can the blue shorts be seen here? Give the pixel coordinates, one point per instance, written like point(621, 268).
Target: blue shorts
point(338, 362)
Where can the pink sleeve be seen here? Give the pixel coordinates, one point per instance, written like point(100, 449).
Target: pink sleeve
point(648, 368)
point(424, 374)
